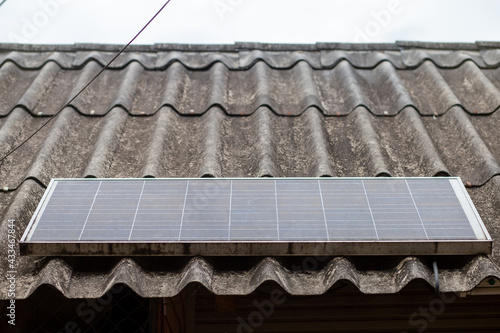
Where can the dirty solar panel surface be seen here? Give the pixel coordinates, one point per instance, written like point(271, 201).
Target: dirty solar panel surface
point(201, 210)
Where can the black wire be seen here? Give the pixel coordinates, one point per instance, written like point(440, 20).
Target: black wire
point(1, 3)
point(85, 87)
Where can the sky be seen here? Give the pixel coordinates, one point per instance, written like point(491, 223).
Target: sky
point(266, 21)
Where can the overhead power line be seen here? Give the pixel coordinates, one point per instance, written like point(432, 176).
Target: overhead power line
point(85, 87)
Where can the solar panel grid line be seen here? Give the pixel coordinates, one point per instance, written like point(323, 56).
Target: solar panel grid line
point(136, 210)
point(246, 221)
point(453, 212)
point(370, 209)
point(345, 193)
point(183, 210)
point(277, 211)
point(230, 209)
point(161, 208)
point(90, 211)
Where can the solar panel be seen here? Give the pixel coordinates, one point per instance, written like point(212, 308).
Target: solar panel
point(256, 216)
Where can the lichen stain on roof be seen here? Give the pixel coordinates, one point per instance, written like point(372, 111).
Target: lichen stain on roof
point(249, 110)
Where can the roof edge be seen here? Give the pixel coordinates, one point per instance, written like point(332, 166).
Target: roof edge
point(447, 46)
point(241, 46)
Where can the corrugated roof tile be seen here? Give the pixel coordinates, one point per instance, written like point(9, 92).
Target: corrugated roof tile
point(361, 59)
point(279, 60)
point(491, 57)
point(248, 111)
point(476, 93)
point(415, 57)
point(383, 89)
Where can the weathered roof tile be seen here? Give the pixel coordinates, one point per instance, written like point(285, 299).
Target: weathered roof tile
point(248, 110)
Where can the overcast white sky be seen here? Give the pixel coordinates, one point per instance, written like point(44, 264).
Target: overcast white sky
point(227, 21)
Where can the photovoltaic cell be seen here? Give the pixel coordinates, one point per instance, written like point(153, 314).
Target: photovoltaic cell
point(255, 210)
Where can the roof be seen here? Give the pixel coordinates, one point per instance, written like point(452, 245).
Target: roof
point(249, 110)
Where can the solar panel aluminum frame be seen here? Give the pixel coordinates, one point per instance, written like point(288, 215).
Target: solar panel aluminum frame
point(257, 248)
